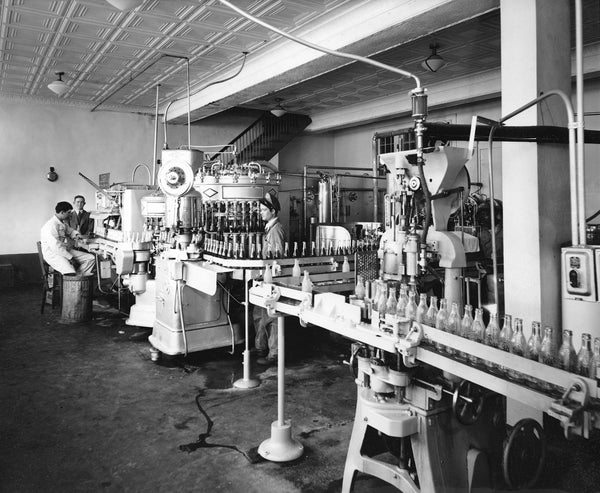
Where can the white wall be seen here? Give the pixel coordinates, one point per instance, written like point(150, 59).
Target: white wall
point(35, 136)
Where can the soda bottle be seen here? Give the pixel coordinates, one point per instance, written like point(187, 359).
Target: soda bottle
point(453, 323)
point(390, 304)
point(585, 357)
point(432, 312)
point(477, 332)
point(441, 319)
point(492, 338)
point(518, 346)
point(411, 308)
point(359, 290)
point(402, 301)
point(596, 358)
point(421, 308)
point(506, 333)
point(567, 357)
point(465, 328)
point(534, 344)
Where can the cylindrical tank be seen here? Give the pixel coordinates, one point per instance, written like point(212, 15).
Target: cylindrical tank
point(325, 200)
point(183, 212)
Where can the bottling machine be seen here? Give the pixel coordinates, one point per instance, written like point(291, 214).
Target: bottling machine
point(433, 382)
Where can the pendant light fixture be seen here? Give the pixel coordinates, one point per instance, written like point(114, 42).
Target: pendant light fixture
point(279, 110)
point(125, 4)
point(433, 62)
point(58, 86)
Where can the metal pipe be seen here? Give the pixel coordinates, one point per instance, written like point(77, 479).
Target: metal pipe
point(572, 173)
point(374, 154)
point(580, 123)
point(280, 371)
point(189, 109)
point(136, 168)
point(304, 197)
point(322, 48)
point(154, 151)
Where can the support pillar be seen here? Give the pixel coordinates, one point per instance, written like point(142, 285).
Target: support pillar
point(536, 57)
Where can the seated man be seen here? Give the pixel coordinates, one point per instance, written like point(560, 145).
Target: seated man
point(56, 252)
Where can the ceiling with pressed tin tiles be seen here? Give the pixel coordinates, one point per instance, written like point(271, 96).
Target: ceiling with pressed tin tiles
point(114, 60)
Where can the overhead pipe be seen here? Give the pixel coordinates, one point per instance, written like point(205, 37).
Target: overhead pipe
point(573, 171)
point(580, 121)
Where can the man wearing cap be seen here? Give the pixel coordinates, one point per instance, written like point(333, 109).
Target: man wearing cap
point(55, 250)
point(273, 240)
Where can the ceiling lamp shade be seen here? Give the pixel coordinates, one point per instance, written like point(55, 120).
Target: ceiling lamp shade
point(279, 110)
point(125, 4)
point(433, 62)
point(58, 86)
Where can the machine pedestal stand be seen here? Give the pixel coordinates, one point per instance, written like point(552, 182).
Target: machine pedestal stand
point(281, 447)
point(392, 419)
point(246, 382)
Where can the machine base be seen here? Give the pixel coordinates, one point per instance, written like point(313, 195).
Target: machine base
point(170, 341)
point(143, 312)
point(281, 447)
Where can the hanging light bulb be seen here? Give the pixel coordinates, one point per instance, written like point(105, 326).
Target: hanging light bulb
point(279, 110)
point(125, 4)
point(58, 86)
point(433, 62)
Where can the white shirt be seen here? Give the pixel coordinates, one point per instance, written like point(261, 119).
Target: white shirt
point(54, 238)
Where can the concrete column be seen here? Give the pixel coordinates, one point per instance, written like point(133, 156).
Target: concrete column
point(536, 57)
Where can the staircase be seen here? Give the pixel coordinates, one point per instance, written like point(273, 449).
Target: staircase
point(262, 140)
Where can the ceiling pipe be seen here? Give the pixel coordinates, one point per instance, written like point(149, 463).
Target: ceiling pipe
point(322, 48)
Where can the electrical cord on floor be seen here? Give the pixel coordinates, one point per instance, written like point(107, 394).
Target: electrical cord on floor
point(202, 437)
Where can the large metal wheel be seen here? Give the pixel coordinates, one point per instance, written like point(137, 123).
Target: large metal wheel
point(524, 454)
point(467, 402)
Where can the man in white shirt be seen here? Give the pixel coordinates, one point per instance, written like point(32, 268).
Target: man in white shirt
point(55, 249)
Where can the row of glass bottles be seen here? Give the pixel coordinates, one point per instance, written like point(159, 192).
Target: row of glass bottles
point(510, 338)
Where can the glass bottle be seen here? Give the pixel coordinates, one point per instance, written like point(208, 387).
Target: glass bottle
point(477, 332)
point(410, 311)
point(548, 354)
point(307, 284)
point(267, 275)
point(453, 324)
point(567, 357)
point(359, 290)
point(595, 358)
point(390, 304)
point(402, 301)
point(492, 338)
point(518, 344)
point(421, 308)
point(506, 333)
point(346, 265)
point(465, 328)
point(585, 357)
point(534, 344)
point(441, 319)
point(432, 312)
point(297, 273)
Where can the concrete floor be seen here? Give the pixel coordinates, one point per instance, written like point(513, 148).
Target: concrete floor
point(84, 409)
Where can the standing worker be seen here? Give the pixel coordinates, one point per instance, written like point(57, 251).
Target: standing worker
point(80, 218)
point(54, 236)
point(273, 240)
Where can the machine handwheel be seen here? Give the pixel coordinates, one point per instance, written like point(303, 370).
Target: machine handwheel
point(467, 402)
point(524, 454)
